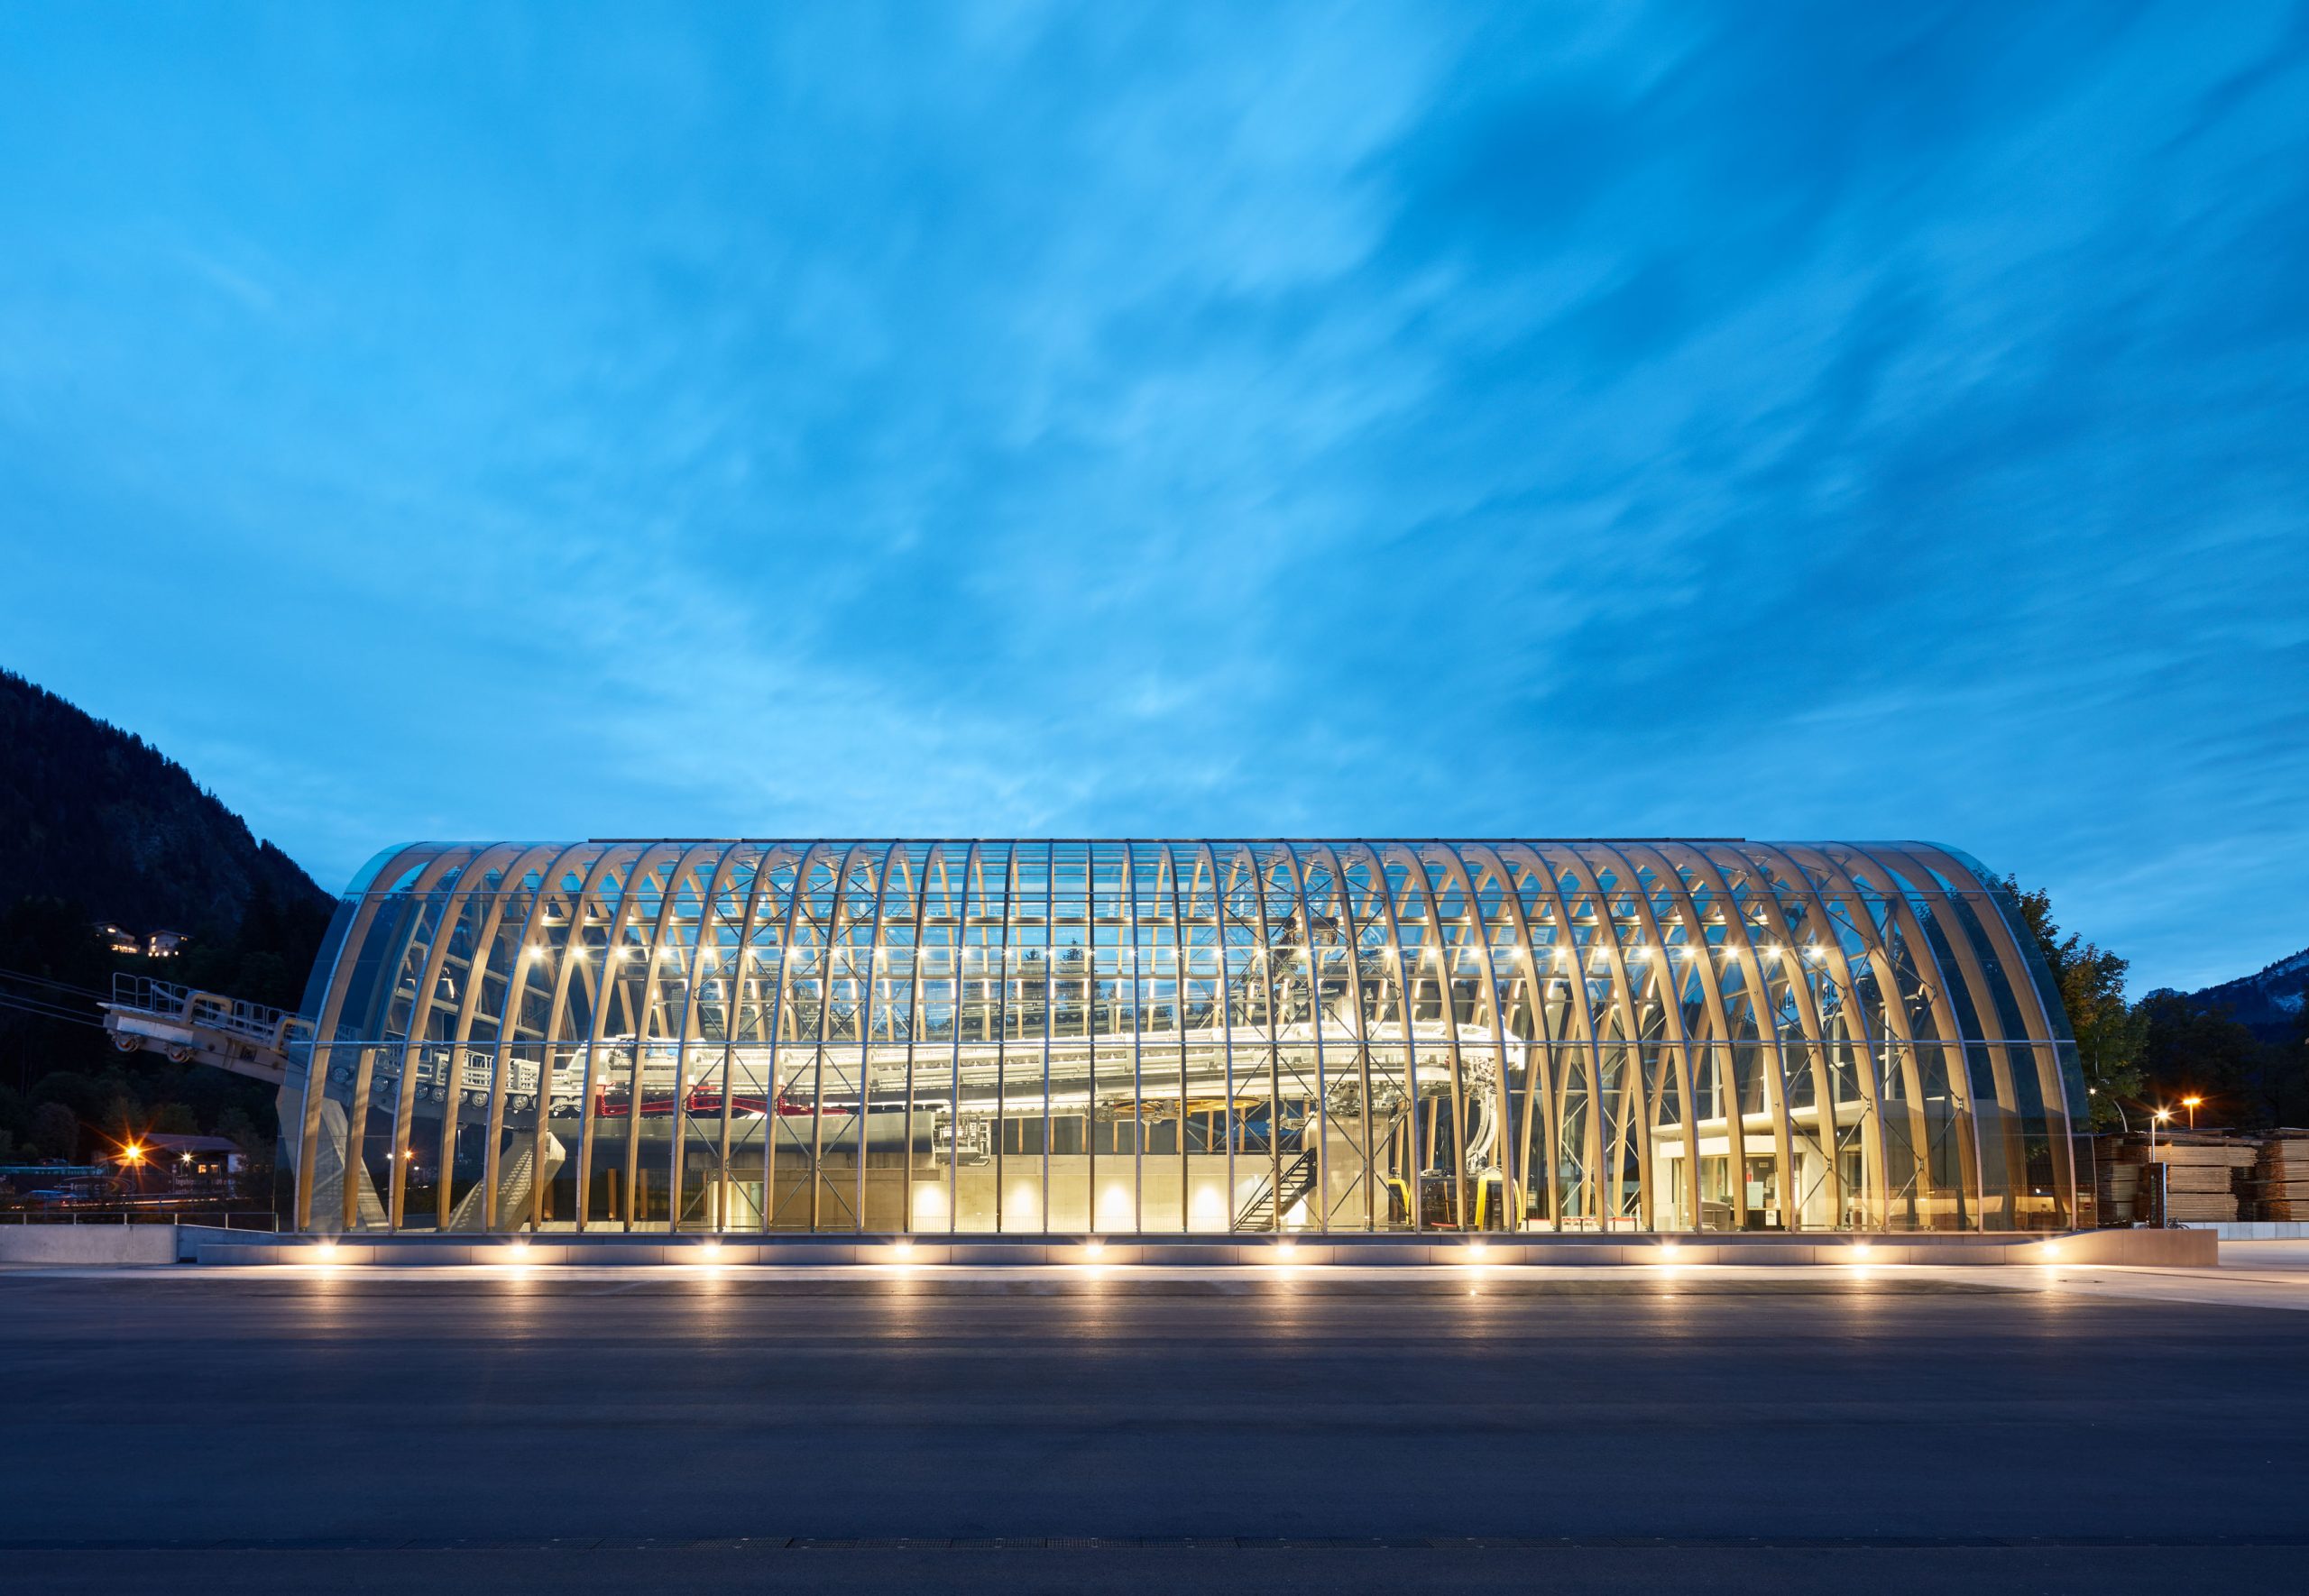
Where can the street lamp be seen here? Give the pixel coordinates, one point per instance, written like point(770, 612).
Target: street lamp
point(2190, 1105)
point(2164, 1186)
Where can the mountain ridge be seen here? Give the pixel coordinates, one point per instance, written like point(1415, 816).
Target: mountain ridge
point(2268, 1001)
point(96, 816)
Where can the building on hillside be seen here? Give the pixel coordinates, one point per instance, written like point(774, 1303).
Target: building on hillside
point(195, 1158)
point(1191, 1036)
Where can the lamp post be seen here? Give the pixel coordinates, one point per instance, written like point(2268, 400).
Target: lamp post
point(2190, 1105)
point(2164, 1184)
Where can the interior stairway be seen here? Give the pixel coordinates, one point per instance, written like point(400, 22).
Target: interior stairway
point(1298, 1180)
point(516, 1178)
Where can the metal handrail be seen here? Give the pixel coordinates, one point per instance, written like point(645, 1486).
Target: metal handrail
point(253, 1020)
point(144, 1216)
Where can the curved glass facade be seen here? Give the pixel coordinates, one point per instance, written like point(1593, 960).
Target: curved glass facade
point(1185, 1036)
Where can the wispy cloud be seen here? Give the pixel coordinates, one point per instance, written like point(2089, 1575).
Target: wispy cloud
point(1815, 421)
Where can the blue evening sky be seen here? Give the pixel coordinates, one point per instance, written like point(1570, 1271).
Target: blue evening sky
point(1856, 421)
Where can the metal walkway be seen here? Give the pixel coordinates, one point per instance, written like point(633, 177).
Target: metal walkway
point(201, 1027)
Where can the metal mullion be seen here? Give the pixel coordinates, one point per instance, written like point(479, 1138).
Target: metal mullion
point(999, 1030)
point(734, 1023)
point(1695, 931)
point(408, 926)
point(1949, 913)
point(1876, 1159)
point(2036, 1016)
point(1315, 1021)
point(1895, 1019)
point(340, 974)
point(972, 867)
point(516, 871)
point(1179, 963)
point(1344, 895)
point(1434, 921)
point(781, 992)
point(866, 1031)
point(1540, 1073)
point(918, 882)
point(420, 1016)
point(1743, 951)
point(1632, 1028)
point(1138, 1052)
point(1927, 966)
point(828, 949)
point(1050, 994)
point(1970, 937)
point(589, 890)
point(1807, 1014)
point(1510, 1204)
point(1512, 1201)
point(1415, 1188)
point(679, 1158)
point(1274, 1033)
point(1672, 1013)
point(668, 896)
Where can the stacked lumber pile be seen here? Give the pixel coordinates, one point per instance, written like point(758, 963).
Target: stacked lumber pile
point(2280, 1185)
point(2116, 1179)
point(2206, 1172)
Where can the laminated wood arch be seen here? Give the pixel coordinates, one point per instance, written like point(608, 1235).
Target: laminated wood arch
point(712, 1014)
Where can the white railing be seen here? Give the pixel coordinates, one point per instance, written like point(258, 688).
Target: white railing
point(252, 1022)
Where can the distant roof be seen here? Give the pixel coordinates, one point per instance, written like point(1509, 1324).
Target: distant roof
point(167, 1144)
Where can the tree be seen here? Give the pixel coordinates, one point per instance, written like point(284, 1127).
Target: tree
point(56, 1132)
point(2188, 1052)
point(2109, 1033)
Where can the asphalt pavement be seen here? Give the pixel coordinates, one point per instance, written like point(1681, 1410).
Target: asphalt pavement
point(1079, 1430)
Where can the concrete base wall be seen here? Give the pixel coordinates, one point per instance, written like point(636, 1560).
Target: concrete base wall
point(88, 1243)
point(2170, 1248)
point(2254, 1229)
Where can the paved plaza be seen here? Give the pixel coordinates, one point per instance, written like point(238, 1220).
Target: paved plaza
point(1065, 1429)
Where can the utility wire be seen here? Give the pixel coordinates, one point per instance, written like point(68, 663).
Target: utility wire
point(93, 996)
point(9, 1000)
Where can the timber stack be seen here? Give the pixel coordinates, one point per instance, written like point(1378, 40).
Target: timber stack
point(2206, 1173)
point(2280, 1183)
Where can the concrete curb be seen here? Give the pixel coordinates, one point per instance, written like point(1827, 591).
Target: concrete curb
point(2168, 1248)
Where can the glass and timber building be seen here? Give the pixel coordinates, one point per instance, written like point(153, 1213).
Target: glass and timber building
point(1181, 1037)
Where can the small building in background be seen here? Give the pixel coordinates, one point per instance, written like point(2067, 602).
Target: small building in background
point(165, 944)
point(118, 939)
point(196, 1155)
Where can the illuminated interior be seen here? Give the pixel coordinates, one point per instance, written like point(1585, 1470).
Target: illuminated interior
point(1180, 1037)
